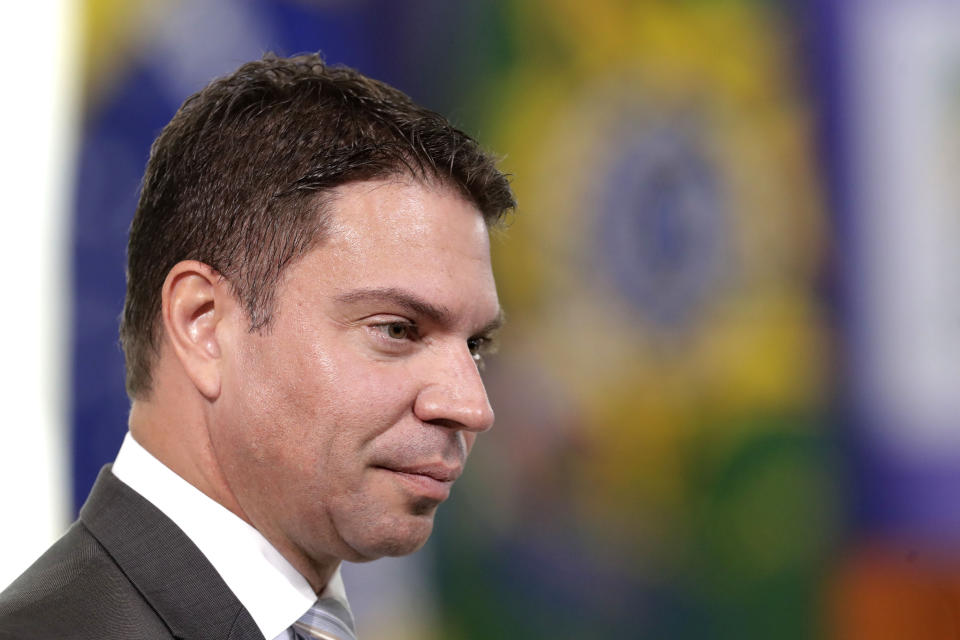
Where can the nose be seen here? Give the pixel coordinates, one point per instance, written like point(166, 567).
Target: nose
point(456, 397)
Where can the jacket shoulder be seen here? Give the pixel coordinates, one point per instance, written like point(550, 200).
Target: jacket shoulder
point(76, 591)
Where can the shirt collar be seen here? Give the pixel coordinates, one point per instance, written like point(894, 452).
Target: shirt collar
point(265, 583)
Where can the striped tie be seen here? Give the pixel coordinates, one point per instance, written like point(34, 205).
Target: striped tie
point(327, 619)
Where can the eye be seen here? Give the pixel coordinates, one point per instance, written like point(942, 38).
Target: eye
point(476, 346)
point(480, 347)
point(398, 330)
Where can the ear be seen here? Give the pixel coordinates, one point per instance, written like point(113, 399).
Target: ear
point(194, 300)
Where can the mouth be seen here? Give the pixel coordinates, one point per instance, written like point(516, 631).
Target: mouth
point(432, 481)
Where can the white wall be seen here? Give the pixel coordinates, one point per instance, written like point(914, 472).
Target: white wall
point(38, 106)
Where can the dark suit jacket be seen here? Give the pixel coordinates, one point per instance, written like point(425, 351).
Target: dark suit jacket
point(123, 570)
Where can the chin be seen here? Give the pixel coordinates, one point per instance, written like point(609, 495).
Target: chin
point(398, 536)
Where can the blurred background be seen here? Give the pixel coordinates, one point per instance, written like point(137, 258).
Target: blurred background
point(728, 393)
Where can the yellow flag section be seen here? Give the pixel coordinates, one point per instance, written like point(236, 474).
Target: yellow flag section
point(662, 266)
point(114, 31)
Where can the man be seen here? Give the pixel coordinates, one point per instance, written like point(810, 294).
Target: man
point(309, 296)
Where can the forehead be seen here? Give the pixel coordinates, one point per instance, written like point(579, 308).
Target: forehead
point(405, 215)
point(407, 235)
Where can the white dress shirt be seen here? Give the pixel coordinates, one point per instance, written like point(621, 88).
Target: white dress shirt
point(269, 588)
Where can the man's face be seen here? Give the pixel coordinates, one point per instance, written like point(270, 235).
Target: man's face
point(341, 428)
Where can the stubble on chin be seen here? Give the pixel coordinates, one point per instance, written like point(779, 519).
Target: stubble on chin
point(373, 532)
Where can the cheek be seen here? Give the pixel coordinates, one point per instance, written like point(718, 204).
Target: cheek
point(369, 397)
point(317, 399)
point(338, 399)
point(271, 395)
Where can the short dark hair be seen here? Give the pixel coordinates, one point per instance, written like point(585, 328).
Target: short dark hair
point(236, 181)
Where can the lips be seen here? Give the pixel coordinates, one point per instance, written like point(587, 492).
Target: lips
point(439, 472)
point(432, 481)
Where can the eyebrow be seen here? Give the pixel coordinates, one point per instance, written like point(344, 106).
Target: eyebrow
point(415, 305)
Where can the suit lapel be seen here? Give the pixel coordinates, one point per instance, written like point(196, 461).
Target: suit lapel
point(166, 567)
